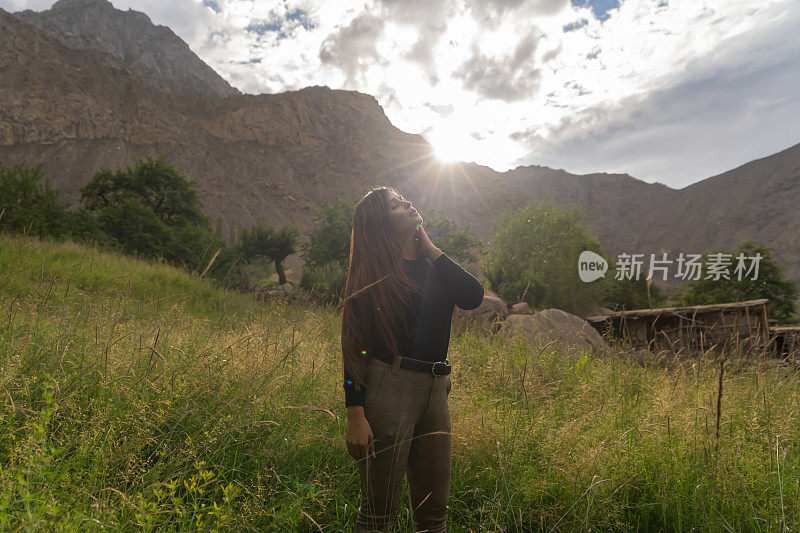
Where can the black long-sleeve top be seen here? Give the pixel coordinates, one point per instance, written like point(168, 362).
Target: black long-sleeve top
point(446, 284)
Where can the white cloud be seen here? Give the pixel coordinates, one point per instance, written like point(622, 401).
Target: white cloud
point(735, 102)
point(510, 79)
point(18, 5)
point(354, 47)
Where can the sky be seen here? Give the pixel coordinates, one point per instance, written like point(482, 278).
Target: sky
point(669, 91)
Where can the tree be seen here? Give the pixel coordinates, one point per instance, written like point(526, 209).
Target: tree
point(626, 294)
point(28, 205)
point(152, 210)
point(516, 282)
point(260, 240)
point(456, 243)
point(329, 240)
point(155, 185)
point(769, 283)
point(534, 258)
point(326, 252)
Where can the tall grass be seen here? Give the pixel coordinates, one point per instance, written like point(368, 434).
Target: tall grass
point(139, 397)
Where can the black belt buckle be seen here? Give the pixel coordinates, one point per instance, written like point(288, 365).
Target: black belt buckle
point(445, 369)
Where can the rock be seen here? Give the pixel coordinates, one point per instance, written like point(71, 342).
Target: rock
point(570, 332)
point(287, 288)
point(154, 52)
point(521, 308)
point(486, 317)
point(599, 310)
point(300, 295)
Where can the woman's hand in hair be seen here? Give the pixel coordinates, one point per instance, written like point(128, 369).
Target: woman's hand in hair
point(359, 437)
point(425, 248)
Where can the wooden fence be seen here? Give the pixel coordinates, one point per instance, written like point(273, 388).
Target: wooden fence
point(695, 328)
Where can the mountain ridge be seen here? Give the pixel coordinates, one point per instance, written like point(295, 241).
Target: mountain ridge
point(275, 157)
point(154, 52)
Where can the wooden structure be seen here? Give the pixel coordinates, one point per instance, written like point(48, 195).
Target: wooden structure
point(786, 341)
point(691, 329)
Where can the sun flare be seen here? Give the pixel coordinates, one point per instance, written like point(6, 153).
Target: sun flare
point(447, 147)
point(446, 152)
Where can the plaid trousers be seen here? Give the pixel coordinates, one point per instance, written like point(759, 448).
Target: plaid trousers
point(409, 415)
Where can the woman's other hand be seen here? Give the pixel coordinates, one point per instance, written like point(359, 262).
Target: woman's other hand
point(359, 437)
point(425, 248)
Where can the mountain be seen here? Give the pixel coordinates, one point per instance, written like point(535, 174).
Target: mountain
point(277, 156)
point(153, 52)
point(272, 156)
point(759, 201)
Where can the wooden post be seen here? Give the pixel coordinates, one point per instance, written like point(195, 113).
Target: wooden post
point(749, 326)
point(765, 329)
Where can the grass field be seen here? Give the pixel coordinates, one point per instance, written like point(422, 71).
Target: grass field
point(139, 397)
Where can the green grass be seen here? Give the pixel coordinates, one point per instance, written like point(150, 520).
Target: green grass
point(139, 397)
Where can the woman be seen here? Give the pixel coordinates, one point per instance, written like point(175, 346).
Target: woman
point(399, 300)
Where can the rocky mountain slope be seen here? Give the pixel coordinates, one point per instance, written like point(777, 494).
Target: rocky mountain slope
point(153, 52)
point(759, 200)
point(276, 156)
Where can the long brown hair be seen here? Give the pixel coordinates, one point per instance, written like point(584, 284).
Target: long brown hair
point(377, 293)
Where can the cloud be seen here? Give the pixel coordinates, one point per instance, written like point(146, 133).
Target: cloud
point(552, 54)
point(600, 8)
point(190, 20)
point(443, 110)
point(281, 24)
point(572, 26)
point(429, 19)
point(353, 47)
point(262, 26)
point(510, 79)
point(727, 109)
point(19, 5)
point(490, 13)
point(212, 4)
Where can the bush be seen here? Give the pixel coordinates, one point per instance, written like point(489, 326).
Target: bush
point(326, 252)
point(28, 205)
point(456, 243)
point(768, 284)
point(631, 293)
point(329, 239)
point(325, 284)
point(152, 210)
point(537, 247)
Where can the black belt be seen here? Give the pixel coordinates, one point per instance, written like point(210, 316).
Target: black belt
point(437, 368)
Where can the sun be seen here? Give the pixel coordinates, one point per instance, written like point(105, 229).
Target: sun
point(446, 154)
point(447, 148)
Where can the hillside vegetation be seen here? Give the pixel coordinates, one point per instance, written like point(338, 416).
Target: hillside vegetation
point(140, 397)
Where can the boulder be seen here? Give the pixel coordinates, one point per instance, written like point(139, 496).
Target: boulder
point(521, 308)
point(487, 317)
point(287, 288)
point(599, 310)
point(568, 331)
